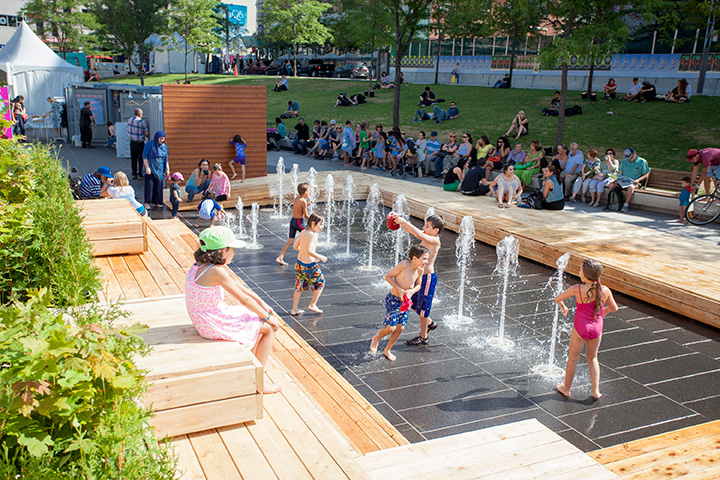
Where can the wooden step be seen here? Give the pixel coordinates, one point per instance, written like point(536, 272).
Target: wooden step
point(113, 226)
point(521, 450)
point(195, 384)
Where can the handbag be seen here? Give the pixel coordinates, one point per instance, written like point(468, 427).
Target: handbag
point(25, 117)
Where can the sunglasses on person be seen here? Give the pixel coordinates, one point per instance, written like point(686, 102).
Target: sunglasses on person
point(453, 136)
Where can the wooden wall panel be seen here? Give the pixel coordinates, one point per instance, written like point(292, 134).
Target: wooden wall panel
point(200, 120)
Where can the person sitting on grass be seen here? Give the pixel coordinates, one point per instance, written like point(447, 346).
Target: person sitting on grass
point(554, 109)
point(504, 83)
point(633, 172)
point(427, 98)
point(345, 101)
point(609, 89)
point(450, 114)
point(385, 82)
point(520, 124)
point(633, 92)
point(293, 109)
point(679, 94)
point(281, 85)
point(648, 92)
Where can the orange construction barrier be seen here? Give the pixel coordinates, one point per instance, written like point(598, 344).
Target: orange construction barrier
point(235, 70)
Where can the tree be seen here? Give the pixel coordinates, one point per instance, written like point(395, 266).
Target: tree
point(295, 22)
point(127, 24)
point(195, 21)
point(516, 19)
point(408, 17)
point(61, 19)
point(703, 15)
point(585, 28)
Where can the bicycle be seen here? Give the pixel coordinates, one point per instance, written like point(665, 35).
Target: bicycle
point(704, 209)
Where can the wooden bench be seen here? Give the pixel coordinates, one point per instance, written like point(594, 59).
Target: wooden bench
point(113, 226)
point(195, 384)
point(664, 182)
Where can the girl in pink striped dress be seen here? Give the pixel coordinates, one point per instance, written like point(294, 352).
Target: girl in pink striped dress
point(252, 324)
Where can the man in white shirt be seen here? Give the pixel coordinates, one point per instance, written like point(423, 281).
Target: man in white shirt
point(633, 92)
point(573, 168)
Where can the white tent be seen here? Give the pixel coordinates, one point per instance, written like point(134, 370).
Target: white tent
point(168, 55)
point(34, 71)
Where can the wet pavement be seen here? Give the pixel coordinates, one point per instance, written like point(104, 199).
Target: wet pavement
point(659, 371)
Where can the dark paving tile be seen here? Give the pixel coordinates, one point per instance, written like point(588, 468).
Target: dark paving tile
point(711, 348)
point(708, 407)
point(342, 334)
point(579, 440)
point(619, 357)
point(581, 400)
point(369, 394)
point(532, 385)
point(652, 324)
point(649, 430)
point(624, 338)
point(429, 417)
point(670, 368)
point(695, 387)
point(623, 417)
point(390, 414)
point(410, 433)
point(540, 415)
point(442, 390)
point(414, 374)
point(695, 333)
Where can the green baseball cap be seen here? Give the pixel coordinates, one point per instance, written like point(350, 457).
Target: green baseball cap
point(217, 238)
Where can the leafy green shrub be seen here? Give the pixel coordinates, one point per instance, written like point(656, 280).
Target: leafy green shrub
point(42, 242)
point(69, 397)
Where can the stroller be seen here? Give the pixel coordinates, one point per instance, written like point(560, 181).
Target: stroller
point(407, 162)
point(272, 138)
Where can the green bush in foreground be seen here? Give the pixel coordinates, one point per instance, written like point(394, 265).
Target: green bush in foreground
point(42, 241)
point(69, 404)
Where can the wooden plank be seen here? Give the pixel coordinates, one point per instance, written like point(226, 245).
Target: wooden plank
point(172, 360)
point(171, 246)
point(146, 281)
point(214, 459)
point(656, 442)
point(118, 246)
point(246, 454)
point(125, 279)
point(171, 266)
point(188, 465)
point(196, 418)
point(321, 426)
point(200, 388)
point(710, 473)
point(278, 452)
point(162, 277)
point(112, 289)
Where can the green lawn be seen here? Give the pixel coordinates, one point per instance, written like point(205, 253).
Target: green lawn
point(659, 131)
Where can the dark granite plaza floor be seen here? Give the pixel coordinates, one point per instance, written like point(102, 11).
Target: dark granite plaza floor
point(659, 371)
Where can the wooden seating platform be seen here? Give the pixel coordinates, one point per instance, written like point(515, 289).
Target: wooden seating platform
point(691, 453)
point(161, 271)
point(195, 384)
point(522, 450)
point(113, 226)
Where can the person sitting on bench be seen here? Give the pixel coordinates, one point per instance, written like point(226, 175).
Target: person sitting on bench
point(633, 171)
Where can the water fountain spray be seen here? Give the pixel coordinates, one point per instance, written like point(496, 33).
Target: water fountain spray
point(464, 247)
point(253, 218)
point(313, 189)
point(329, 209)
point(400, 236)
point(507, 263)
point(372, 221)
point(294, 171)
point(279, 189)
point(555, 284)
point(348, 209)
point(430, 211)
point(240, 223)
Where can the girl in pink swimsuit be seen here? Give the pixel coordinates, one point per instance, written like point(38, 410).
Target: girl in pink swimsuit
point(252, 323)
point(593, 302)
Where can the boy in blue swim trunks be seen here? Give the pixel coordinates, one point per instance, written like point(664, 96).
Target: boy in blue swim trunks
point(307, 272)
point(429, 238)
point(405, 280)
point(297, 222)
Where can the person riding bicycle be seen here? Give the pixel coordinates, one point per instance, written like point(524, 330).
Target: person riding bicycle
point(709, 158)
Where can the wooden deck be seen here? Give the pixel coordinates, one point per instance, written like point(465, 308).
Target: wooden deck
point(691, 453)
point(641, 262)
point(113, 226)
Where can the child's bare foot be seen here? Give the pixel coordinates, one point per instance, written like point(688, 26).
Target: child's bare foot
point(597, 395)
point(314, 308)
point(278, 260)
point(242, 181)
point(298, 312)
point(681, 220)
point(374, 344)
point(271, 388)
point(561, 388)
point(389, 356)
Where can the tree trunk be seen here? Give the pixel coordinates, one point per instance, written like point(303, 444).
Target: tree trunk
point(437, 58)
point(590, 77)
point(512, 61)
point(703, 67)
point(142, 62)
point(396, 96)
point(186, 50)
point(377, 69)
point(563, 96)
point(372, 47)
point(295, 74)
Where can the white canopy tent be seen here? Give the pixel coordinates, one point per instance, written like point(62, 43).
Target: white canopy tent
point(33, 70)
point(168, 55)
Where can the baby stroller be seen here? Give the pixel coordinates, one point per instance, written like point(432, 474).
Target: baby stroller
point(272, 138)
point(407, 162)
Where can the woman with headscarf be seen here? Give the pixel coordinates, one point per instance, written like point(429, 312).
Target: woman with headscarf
point(157, 169)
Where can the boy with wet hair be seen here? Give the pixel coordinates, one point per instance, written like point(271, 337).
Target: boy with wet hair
point(405, 280)
point(297, 222)
point(429, 238)
point(307, 272)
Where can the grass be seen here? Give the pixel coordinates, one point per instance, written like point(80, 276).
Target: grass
point(660, 132)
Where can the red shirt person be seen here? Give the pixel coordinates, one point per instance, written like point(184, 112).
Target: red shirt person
point(709, 158)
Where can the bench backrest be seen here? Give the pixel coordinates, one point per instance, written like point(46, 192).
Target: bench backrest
point(668, 180)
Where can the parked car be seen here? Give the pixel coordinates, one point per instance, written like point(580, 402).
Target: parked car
point(315, 68)
point(352, 70)
point(277, 67)
point(256, 68)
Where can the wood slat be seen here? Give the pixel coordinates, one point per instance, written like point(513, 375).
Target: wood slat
point(162, 277)
point(112, 289)
point(145, 280)
point(245, 452)
point(126, 280)
point(188, 465)
point(213, 457)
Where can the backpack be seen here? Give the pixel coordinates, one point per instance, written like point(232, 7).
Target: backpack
point(534, 200)
point(616, 199)
point(285, 115)
point(360, 98)
point(574, 110)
